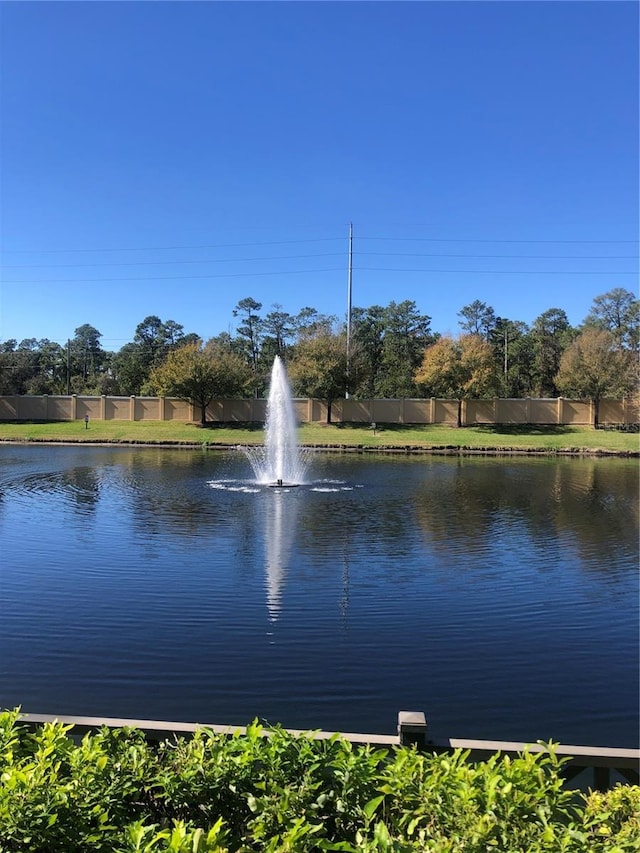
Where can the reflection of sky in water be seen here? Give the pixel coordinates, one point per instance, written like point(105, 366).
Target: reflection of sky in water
point(499, 596)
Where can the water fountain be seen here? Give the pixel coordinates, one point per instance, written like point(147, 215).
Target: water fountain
point(280, 462)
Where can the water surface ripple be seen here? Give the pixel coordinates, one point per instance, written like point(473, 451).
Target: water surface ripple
point(500, 596)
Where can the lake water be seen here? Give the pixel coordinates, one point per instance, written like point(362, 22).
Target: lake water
point(498, 595)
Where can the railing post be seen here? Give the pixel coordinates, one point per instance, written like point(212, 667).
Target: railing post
point(601, 778)
point(412, 728)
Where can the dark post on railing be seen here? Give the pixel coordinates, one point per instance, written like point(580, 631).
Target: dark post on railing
point(412, 728)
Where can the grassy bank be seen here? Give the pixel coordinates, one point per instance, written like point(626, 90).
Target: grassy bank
point(427, 437)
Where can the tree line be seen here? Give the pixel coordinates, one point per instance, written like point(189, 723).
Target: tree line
point(384, 352)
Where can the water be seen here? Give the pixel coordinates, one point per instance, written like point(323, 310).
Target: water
point(500, 596)
point(280, 461)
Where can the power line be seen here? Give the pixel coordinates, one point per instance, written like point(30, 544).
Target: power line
point(172, 248)
point(310, 272)
point(516, 257)
point(484, 240)
point(173, 277)
point(315, 255)
point(499, 272)
point(311, 240)
point(173, 263)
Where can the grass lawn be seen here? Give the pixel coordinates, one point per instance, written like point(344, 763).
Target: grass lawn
point(537, 438)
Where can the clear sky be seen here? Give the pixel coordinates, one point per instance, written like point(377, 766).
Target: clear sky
point(173, 158)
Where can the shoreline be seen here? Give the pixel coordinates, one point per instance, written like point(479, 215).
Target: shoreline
point(407, 450)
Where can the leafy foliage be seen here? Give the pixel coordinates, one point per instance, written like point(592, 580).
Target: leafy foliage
point(550, 334)
point(319, 367)
point(463, 368)
point(387, 347)
point(478, 318)
point(617, 311)
point(198, 373)
point(272, 791)
point(594, 366)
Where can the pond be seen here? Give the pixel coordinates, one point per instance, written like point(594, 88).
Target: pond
point(499, 595)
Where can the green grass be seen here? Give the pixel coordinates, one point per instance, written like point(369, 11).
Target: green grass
point(538, 438)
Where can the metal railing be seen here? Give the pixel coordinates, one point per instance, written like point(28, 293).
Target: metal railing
point(601, 763)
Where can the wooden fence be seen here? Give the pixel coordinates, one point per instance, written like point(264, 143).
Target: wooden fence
point(529, 410)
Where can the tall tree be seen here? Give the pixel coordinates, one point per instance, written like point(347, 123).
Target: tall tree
point(278, 327)
point(51, 369)
point(278, 333)
point(249, 328)
point(618, 311)
point(153, 340)
point(368, 334)
point(513, 352)
point(551, 334)
point(200, 374)
point(594, 366)
point(29, 367)
point(156, 338)
point(318, 368)
point(407, 333)
point(86, 353)
point(461, 368)
point(478, 318)
point(131, 369)
point(309, 322)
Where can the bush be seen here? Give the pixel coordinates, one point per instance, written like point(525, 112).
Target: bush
point(115, 792)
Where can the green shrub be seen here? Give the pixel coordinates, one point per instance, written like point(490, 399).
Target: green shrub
point(115, 792)
point(612, 820)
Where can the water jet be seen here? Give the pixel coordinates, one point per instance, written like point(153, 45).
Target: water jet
point(279, 462)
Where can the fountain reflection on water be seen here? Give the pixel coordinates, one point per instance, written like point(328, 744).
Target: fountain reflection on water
point(280, 462)
point(280, 528)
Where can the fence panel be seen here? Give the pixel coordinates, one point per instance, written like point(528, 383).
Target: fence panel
point(32, 408)
point(618, 412)
point(236, 411)
point(88, 406)
point(356, 411)
point(253, 410)
point(117, 408)
point(387, 411)
point(446, 412)
point(543, 411)
point(147, 409)
point(59, 409)
point(176, 410)
point(480, 412)
point(511, 411)
point(417, 411)
point(576, 413)
point(9, 408)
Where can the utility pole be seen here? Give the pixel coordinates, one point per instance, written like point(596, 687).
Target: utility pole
point(506, 356)
point(68, 367)
point(349, 285)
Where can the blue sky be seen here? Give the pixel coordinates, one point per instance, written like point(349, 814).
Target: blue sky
point(175, 158)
